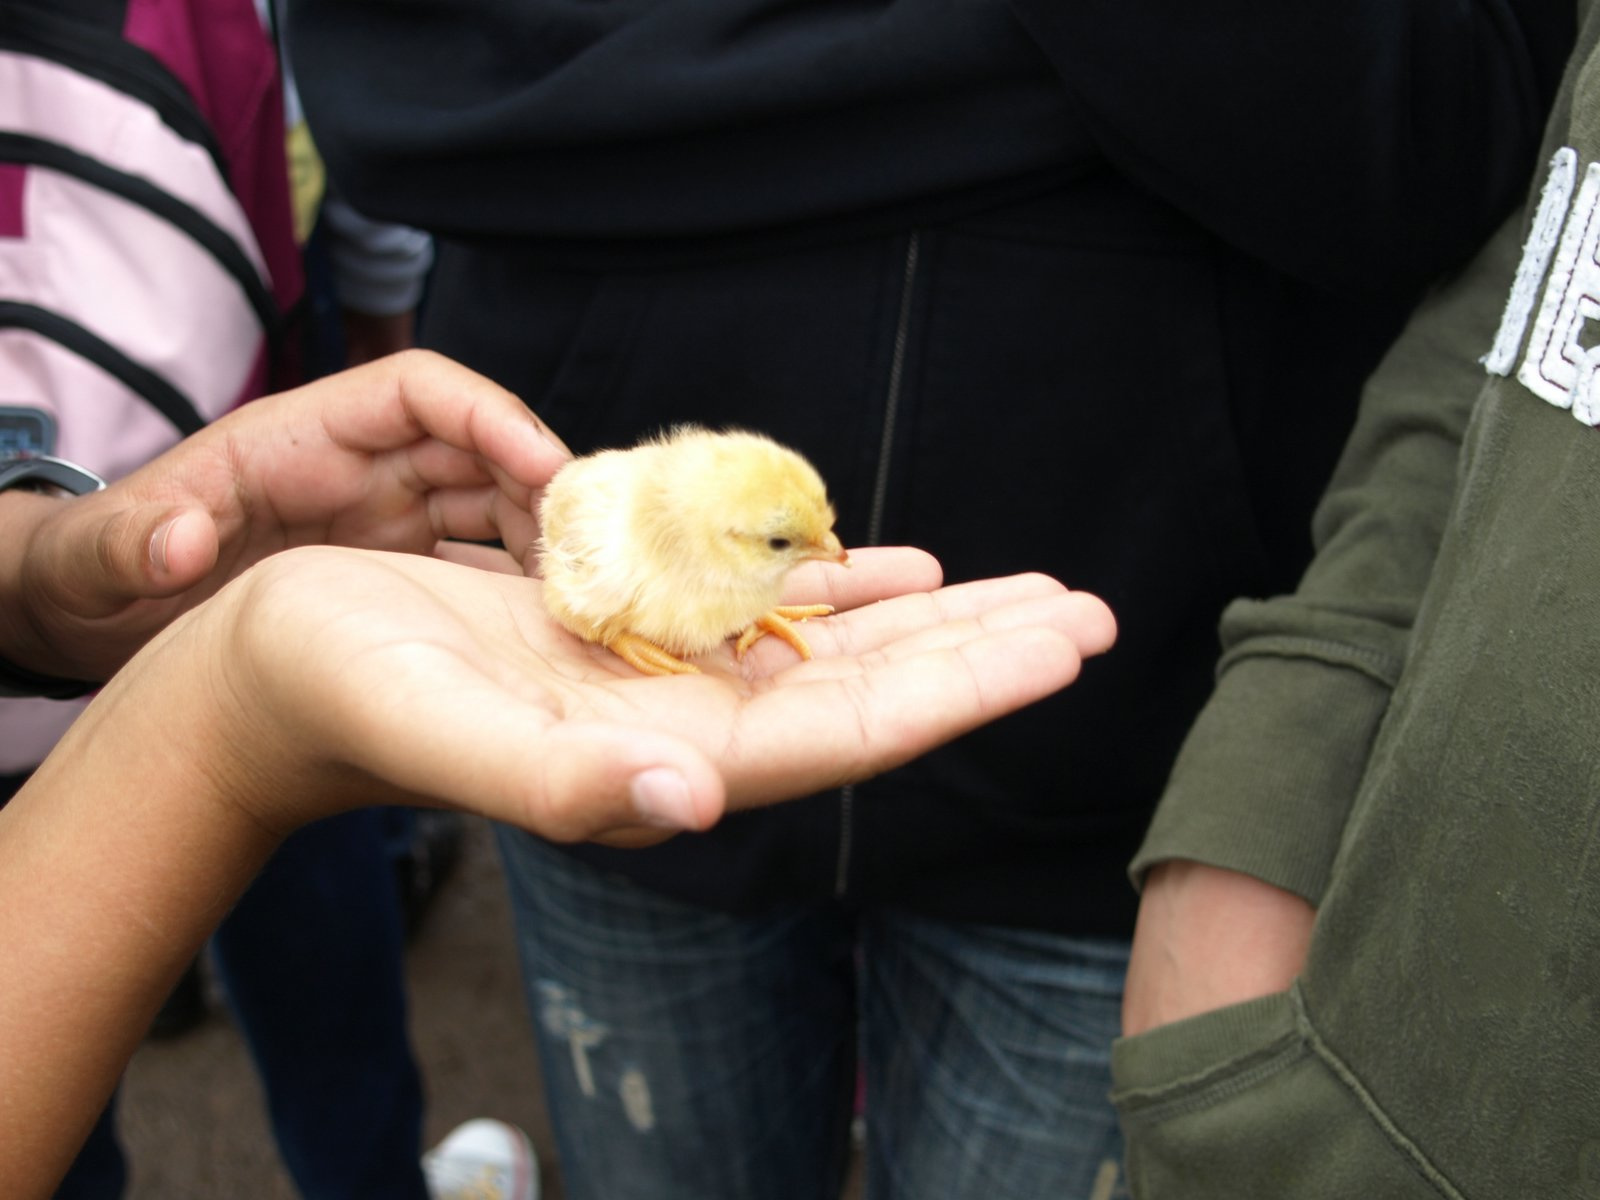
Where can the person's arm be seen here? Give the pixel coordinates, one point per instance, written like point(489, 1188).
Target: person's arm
point(380, 271)
point(328, 678)
point(395, 455)
point(371, 335)
point(1208, 937)
point(1258, 800)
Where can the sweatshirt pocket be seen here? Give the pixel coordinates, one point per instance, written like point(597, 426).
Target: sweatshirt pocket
point(1241, 1102)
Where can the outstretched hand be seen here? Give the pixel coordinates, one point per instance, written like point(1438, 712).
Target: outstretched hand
point(326, 678)
point(445, 684)
point(394, 455)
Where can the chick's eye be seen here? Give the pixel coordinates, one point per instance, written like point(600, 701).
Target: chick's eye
point(777, 543)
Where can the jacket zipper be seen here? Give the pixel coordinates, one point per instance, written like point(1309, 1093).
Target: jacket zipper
point(880, 493)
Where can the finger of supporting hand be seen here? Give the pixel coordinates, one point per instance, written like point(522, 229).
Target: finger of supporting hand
point(473, 514)
point(954, 614)
point(429, 395)
point(874, 573)
point(888, 711)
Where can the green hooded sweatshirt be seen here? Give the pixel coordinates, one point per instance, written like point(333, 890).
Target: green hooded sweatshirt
point(1411, 741)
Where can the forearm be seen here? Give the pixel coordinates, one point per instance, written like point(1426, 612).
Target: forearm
point(116, 861)
point(1207, 938)
point(1266, 779)
point(324, 678)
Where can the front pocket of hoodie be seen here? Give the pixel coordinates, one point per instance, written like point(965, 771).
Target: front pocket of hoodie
point(1239, 1104)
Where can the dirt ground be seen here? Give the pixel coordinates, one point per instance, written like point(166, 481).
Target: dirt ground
point(192, 1118)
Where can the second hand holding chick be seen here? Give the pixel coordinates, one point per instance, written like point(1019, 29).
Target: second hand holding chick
point(666, 550)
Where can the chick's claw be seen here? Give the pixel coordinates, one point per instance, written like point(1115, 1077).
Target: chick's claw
point(648, 658)
point(777, 621)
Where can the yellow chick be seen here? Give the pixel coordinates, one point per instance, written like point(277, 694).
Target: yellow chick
point(665, 550)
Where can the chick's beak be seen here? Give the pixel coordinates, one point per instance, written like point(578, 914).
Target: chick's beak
point(830, 549)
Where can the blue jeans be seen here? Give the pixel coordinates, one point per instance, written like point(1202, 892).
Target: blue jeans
point(689, 1053)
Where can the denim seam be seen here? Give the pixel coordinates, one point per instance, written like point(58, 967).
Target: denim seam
point(1391, 1132)
point(1205, 1089)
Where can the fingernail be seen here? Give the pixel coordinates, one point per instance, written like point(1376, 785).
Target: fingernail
point(661, 798)
point(549, 435)
point(158, 544)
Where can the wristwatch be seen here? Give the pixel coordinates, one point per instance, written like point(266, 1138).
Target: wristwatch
point(44, 472)
point(38, 472)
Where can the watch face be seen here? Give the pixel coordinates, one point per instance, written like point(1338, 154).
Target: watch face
point(26, 431)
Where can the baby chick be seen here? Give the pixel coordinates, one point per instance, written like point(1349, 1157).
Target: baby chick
point(663, 551)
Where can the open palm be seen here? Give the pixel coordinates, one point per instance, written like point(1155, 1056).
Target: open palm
point(451, 685)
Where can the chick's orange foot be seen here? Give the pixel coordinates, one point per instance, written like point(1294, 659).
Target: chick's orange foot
point(779, 622)
point(646, 657)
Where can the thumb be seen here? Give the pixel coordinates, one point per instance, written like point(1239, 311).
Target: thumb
point(181, 550)
point(100, 556)
point(621, 785)
point(568, 781)
point(145, 551)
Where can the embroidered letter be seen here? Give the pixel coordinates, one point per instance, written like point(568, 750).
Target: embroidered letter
point(1557, 366)
point(1535, 258)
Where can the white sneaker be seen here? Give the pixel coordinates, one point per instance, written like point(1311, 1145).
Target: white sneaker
point(482, 1160)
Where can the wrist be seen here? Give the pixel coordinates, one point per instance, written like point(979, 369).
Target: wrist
point(189, 715)
point(279, 757)
point(25, 516)
point(262, 763)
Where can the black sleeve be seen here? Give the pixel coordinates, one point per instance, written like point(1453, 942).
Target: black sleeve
point(1338, 142)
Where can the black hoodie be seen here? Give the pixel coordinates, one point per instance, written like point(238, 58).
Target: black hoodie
point(1161, 247)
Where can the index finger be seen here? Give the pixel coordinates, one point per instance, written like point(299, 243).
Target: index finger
point(869, 626)
point(813, 731)
point(418, 393)
point(873, 573)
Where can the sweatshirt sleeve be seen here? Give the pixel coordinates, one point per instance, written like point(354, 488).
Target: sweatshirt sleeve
point(1267, 776)
point(1343, 143)
point(379, 267)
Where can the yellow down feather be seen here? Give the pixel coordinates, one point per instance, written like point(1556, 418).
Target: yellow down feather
point(683, 540)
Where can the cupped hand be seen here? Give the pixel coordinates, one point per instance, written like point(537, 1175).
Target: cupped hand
point(429, 681)
point(394, 455)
